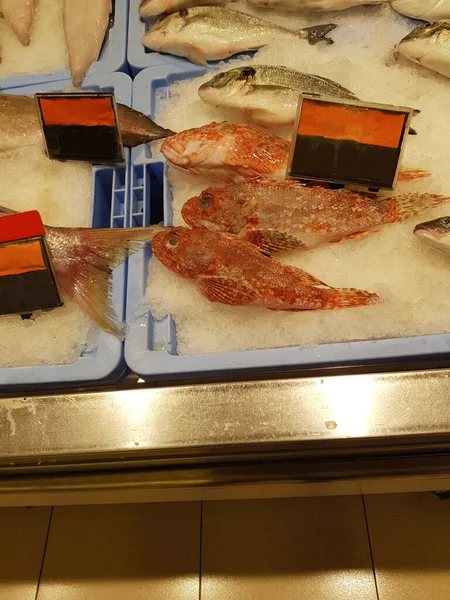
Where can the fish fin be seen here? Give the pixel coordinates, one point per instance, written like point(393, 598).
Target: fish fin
point(318, 33)
point(357, 234)
point(335, 298)
point(88, 279)
point(347, 298)
point(227, 290)
point(271, 240)
point(412, 131)
point(194, 54)
point(412, 174)
point(307, 279)
point(409, 205)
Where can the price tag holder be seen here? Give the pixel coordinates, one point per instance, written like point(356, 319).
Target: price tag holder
point(81, 126)
point(348, 142)
point(27, 279)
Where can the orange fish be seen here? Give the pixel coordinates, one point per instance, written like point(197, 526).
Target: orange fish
point(286, 215)
point(234, 272)
point(233, 153)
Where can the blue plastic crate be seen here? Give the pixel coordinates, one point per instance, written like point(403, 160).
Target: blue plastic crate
point(151, 344)
point(139, 57)
point(104, 364)
point(113, 55)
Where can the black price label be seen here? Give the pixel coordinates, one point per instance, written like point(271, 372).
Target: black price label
point(81, 126)
point(348, 142)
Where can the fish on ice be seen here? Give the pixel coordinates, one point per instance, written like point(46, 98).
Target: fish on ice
point(319, 5)
point(205, 33)
point(266, 95)
point(19, 14)
point(287, 215)
point(234, 272)
point(154, 8)
point(85, 25)
point(233, 153)
point(20, 125)
point(435, 233)
point(83, 260)
point(429, 46)
point(427, 10)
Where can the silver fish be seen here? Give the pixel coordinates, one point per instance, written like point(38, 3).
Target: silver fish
point(427, 10)
point(429, 46)
point(435, 233)
point(319, 5)
point(20, 125)
point(19, 15)
point(85, 25)
point(207, 33)
point(264, 95)
point(154, 8)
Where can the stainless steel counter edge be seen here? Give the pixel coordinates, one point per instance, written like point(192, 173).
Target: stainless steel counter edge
point(318, 428)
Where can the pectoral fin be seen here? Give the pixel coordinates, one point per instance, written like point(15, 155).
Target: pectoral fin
point(227, 290)
point(271, 240)
point(194, 54)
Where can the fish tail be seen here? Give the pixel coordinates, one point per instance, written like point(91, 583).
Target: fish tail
point(412, 174)
point(94, 254)
point(410, 205)
point(317, 33)
point(347, 298)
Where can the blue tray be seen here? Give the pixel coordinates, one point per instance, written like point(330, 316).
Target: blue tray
point(151, 344)
point(139, 57)
point(104, 364)
point(113, 55)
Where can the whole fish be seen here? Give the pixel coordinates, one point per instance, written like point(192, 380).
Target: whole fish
point(85, 25)
point(83, 260)
point(265, 95)
point(435, 233)
point(235, 272)
point(429, 45)
point(427, 10)
point(286, 215)
point(154, 8)
point(19, 15)
point(319, 5)
point(20, 125)
point(233, 153)
point(207, 33)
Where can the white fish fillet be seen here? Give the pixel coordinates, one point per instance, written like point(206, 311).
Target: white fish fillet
point(19, 15)
point(428, 10)
point(85, 24)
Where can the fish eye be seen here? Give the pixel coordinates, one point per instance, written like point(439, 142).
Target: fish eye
point(172, 241)
point(446, 221)
point(247, 72)
point(206, 202)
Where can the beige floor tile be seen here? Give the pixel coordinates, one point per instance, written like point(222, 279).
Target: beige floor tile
point(410, 536)
point(285, 549)
point(23, 535)
point(123, 552)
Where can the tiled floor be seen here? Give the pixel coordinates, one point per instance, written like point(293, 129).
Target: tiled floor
point(235, 550)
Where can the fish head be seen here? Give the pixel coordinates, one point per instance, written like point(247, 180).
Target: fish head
point(189, 148)
point(163, 33)
point(435, 233)
point(425, 40)
point(226, 84)
point(186, 252)
point(219, 209)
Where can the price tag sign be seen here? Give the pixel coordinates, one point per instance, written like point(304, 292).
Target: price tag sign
point(81, 126)
point(348, 142)
point(27, 280)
